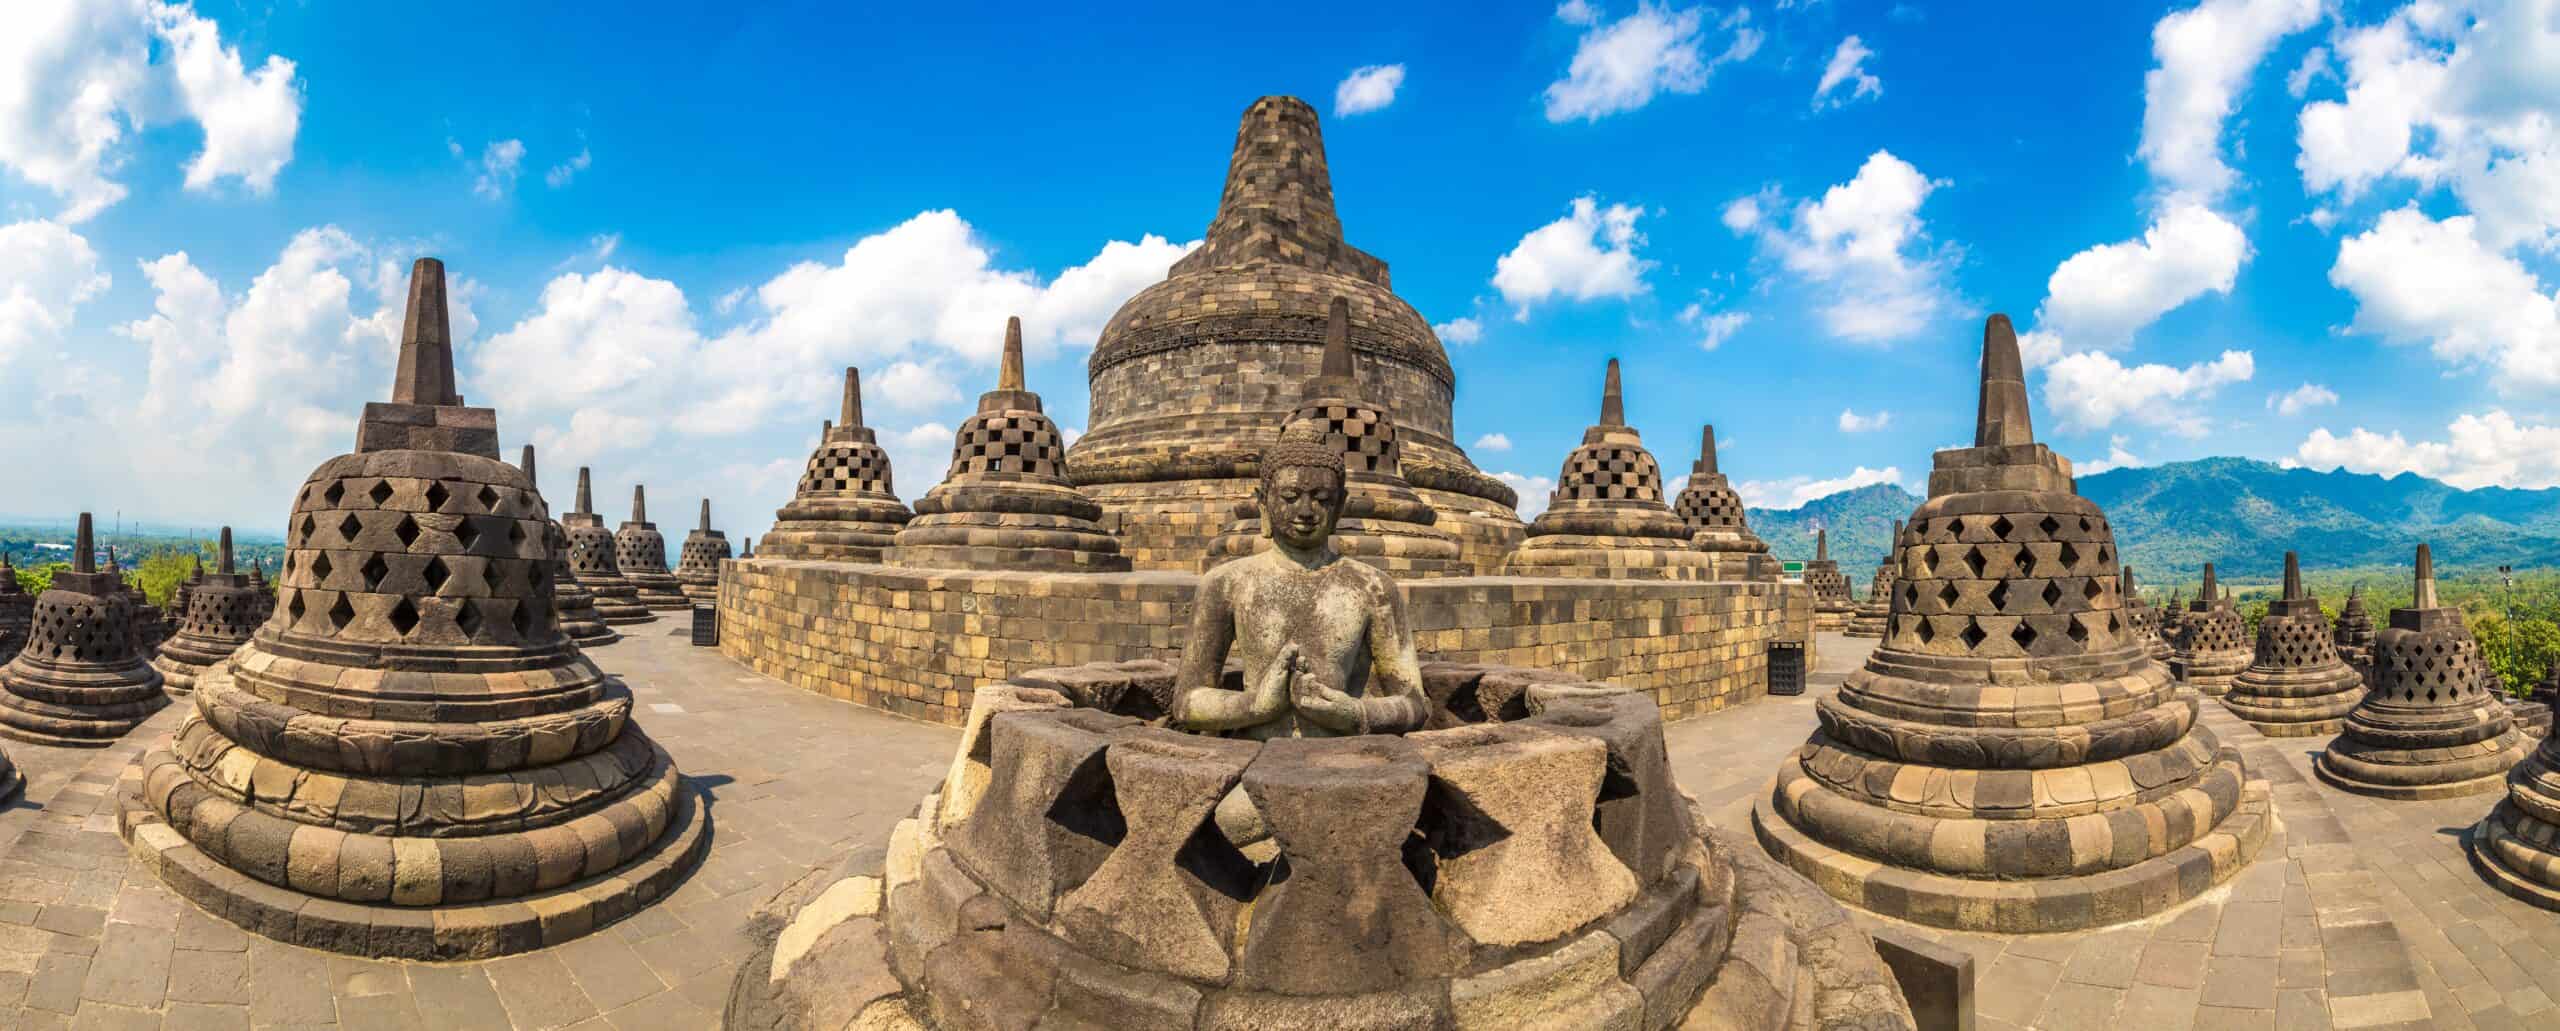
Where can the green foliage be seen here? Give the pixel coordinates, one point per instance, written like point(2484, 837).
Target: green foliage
point(159, 572)
point(1859, 522)
point(38, 579)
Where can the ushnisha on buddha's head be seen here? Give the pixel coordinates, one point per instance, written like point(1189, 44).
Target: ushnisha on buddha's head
point(1303, 488)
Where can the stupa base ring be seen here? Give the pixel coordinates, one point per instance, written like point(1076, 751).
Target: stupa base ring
point(2480, 784)
point(2491, 838)
point(474, 930)
point(2023, 906)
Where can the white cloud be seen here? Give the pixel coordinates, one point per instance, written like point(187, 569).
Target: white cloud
point(2100, 297)
point(1795, 491)
point(2091, 390)
point(2206, 54)
point(918, 456)
point(1622, 65)
point(1588, 254)
point(915, 386)
point(1534, 491)
point(561, 174)
point(1461, 331)
point(2315, 67)
point(2489, 449)
point(1577, 12)
point(2419, 280)
point(2117, 458)
point(495, 173)
point(1367, 89)
point(46, 272)
point(2301, 399)
point(1852, 422)
point(1847, 67)
point(1862, 249)
point(1491, 442)
point(1714, 328)
point(77, 76)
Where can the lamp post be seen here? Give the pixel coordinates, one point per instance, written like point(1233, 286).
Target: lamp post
point(2507, 582)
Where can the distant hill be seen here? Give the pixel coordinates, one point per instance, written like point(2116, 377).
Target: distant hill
point(2240, 514)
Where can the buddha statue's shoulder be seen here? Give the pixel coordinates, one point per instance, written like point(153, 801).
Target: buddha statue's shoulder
point(1370, 578)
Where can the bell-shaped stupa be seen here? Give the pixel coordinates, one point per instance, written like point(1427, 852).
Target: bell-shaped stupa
point(1832, 605)
point(571, 602)
point(1713, 513)
point(2297, 686)
point(2144, 617)
point(1006, 503)
point(175, 615)
point(591, 557)
point(845, 509)
point(1193, 377)
point(2517, 846)
point(2011, 759)
point(81, 680)
point(1607, 518)
point(222, 611)
point(698, 563)
point(640, 552)
point(2213, 643)
point(148, 630)
point(1869, 621)
point(1384, 523)
point(410, 759)
point(17, 611)
point(2355, 633)
point(2429, 728)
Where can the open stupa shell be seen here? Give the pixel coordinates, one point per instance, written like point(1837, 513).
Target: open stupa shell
point(592, 559)
point(2517, 846)
point(81, 680)
point(698, 564)
point(2296, 686)
point(1483, 872)
point(1607, 518)
point(571, 603)
point(1874, 610)
point(2429, 727)
point(2213, 643)
point(2011, 759)
point(222, 610)
point(409, 759)
point(640, 553)
point(1717, 523)
point(17, 612)
point(845, 508)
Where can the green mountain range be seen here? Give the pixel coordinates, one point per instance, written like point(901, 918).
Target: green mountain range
point(2240, 514)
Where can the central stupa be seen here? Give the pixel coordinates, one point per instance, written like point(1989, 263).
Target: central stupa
point(1194, 376)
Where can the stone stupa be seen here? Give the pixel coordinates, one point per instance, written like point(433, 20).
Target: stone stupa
point(591, 557)
point(1006, 502)
point(2145, 617)
point(1832, 605)
point(640, 552)
point(2517, 846)
point(410, 760)
point(222, 611)
point(698, 563)
point(1869, 621)
point(2355, 633)
point(2428, 728)
point(1713, 512)
point(17, 611)
point(148, 630)
point(845, 509)
point(1193, 377)
point(172, 617)
point(1607, 518)
point(2213, 643)
point(2011, 759)
point(1384, 523)
point(2297, 686)
point(571, 602)
point(81, 680)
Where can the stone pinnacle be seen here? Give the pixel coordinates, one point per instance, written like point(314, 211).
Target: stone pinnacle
point(1613, 404)
point(586, 500)
point(1821, 545)
point(527, 466)
point(2124, 583)
point(2426, 593)
point(1009, 376)
point(85, 542)
point(1337, 339)
point(2207, 594)
point(852, 398)
point(222, 560)
point(2292, 577)
point(706, 515)
point(112, 567)
point(1277, 173)
point(639, 503)
point(1706, 464)
point(2001, 420)
point(424, 375)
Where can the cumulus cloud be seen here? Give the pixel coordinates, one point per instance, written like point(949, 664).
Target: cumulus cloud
point(2301, 399)
point(494, 172)
point(2419, 280)
point(2205, 55)
point(1491, 442)
point(78, 76)
point(1852, 422)
point(1534, 491)
point(1367, 89)
point(1460, 331)
point(1714, 327)
point(561, 174)
point(1846, 72)
point(47, 272)
point(2117, 458)
point(2482, 450)
point(2100, 297)
point(2091, 390)
point(1586, 255)
point(1861, 249)
point(1622, 65)
point(1795, 491)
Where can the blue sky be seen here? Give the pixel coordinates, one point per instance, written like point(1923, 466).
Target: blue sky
point(2287, 229)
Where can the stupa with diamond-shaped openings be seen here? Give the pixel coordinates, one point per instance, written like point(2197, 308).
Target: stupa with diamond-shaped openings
point(222, 610)
point(1878, 604)
point(640, 552)
point(1713, 512)
point(17, 611)
point(2213, 643)
point(2297, 686)
point(591, 557)
point(698, 565)
point(570, 600)
point(2429, 728)
point(81, 680)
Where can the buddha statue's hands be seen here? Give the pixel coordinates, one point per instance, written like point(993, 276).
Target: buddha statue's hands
point(1272, 695)
point(1319, 703)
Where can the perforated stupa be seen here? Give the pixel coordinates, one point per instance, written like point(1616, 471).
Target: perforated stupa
point(2297, 686)
point(846, 508)
point(2429, 728)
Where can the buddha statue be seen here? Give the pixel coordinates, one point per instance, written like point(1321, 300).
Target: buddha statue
point(1323, 639)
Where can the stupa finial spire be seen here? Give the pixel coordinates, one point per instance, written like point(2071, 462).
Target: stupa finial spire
point(586, 497)
point(706, 516)
point(424, 374)
point(85, 542)
point(2124, 582)
point(2292, 576)
point(527, 466)
point(1706, 453)
point(223, 555)
point(852, 415)
point(1821, 545)
point(1613, 403)
point(2426, 593)
point(2002, 417)
point(1337, 339)
point(639, 503)
point(1009, 376)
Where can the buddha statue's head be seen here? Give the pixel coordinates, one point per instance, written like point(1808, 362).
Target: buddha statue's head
point(1303, 488)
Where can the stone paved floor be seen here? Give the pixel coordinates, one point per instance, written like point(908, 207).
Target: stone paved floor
point(2359, 913)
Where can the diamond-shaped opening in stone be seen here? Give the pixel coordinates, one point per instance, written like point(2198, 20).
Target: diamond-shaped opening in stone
point(1911, 596)
point(1973, 635)
point(350, 526)
point(466, 616)
point(2025, 635)
point(2049, 524)
point(374, 569)
point(381, 491)
point(308, 525)
point(404, 617)
point(2106, 556)
point(1973, 560)
point(2000, 596)
point(2084, 524)
point(436, 575)
point(2052, 593)
point(468, 533)
point(436, 496)
point(523, 620)
point(2069, 555)
point(293, 606)
point(2000, 527)
point(2091, 590)
point(1955, 528)
point(1947, 595)
point(320, 567)
point(2026, 561)
point(337, 489)
point(407, 531)
point(341, 613)
point(488, 498)
point(1927, 630)
point(2079, 634)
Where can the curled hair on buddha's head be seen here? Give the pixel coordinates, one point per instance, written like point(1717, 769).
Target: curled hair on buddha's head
point(1302, 445)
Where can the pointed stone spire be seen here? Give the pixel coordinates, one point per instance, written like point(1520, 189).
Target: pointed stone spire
point(2426, 593)
point(852, 415)
point(1278, 202)
point(2206, 595)
point(2001, 420)
point(706, 516)
point(639, 503)
point(85, 542)
point(112, 567)
point(1009, 376)
point(1336, 376)
point(527, 466)
point(2355, 591)
point(1706, 464)
point(424, 373)
point(1821, 545)
point(1613, 402)
point(2124, 581)
point(746, 547)
point(222, 560)
point(2292, 577)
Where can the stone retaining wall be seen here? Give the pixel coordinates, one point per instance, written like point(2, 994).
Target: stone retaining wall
point(917, 642)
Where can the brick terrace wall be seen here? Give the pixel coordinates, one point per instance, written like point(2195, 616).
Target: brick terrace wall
point(917, 642)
